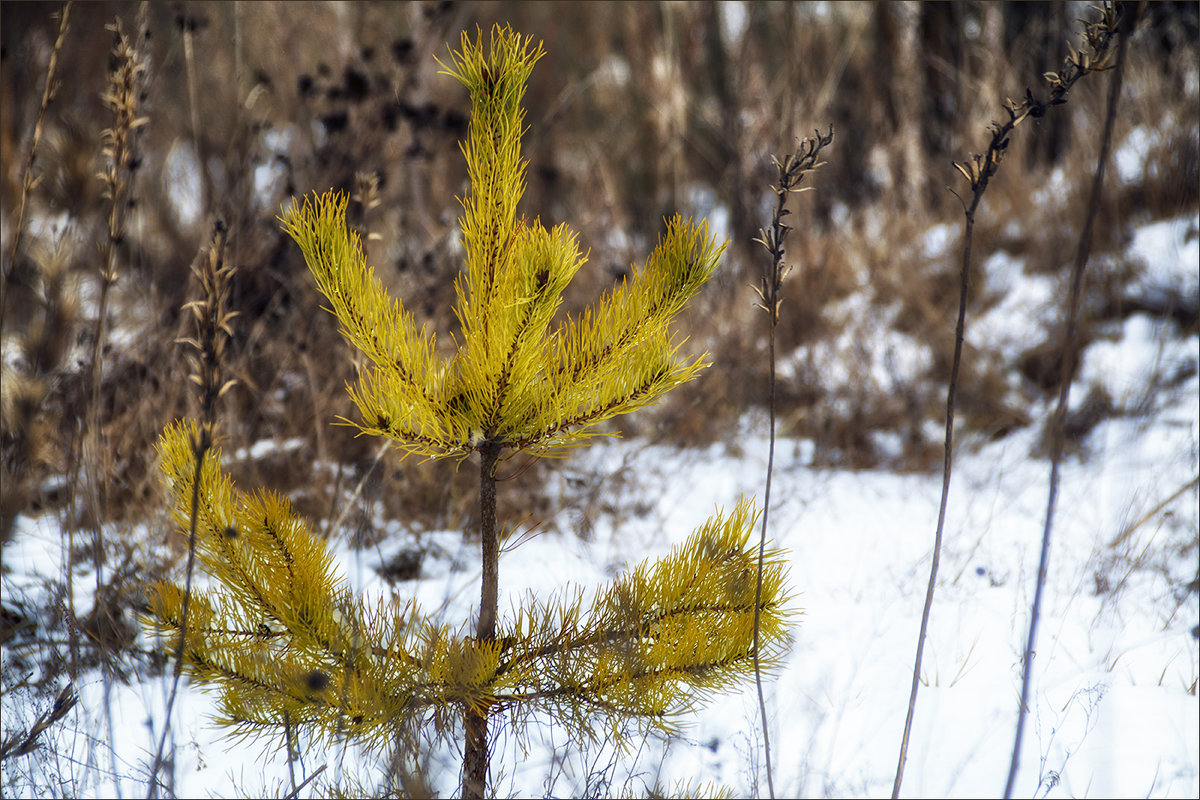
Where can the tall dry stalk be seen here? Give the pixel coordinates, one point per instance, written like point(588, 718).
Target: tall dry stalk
point(213, 332)
point(29, 179)
point(791, 171)
point(1069, 356)
point(122, 97)
point(89, 456)
point(978, 171)
point(43, 345)
point(20, 743)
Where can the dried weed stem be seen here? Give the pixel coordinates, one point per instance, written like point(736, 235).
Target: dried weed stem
point(212, 335)
point(791, 171)
point(1070, 361)
point(29, 180)
point(1095, 56)
point(19, 744)
point(25, 434)
point(121, 96)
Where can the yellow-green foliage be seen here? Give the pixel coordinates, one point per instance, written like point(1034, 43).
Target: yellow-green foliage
point(286, 643)
point(660, 640)
point(281, 637)
point(515, 380)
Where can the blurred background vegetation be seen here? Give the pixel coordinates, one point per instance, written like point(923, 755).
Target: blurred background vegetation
point(639, 110)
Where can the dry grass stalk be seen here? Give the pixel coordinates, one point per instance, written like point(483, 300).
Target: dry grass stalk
point(213, 332)
point(29, 180)
point(1095, 57)
point(121, 96)
point(18, 744)
point(26, 435)
point(791, 171)
point(44, 344)
point(1097, 34)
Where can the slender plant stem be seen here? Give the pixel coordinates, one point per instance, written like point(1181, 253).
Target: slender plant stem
point(213, 326)
point(1129, 529)
point(979, 171)
point(316, 773)
point(947, 465)
point(183, 625)
point(28, 179)
point(1070, 361)
point(762, 545)
point(770, 297)
point(475, 753)
point(792, 170)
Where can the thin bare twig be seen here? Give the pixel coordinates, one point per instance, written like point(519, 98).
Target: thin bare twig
point(16, 744)
point(28, 179)
point(791, 170)
point(1070, 362)
point(294, 793)
point(1128, 531)
point(212, 322)
point(947, 465)
point(1094, 57)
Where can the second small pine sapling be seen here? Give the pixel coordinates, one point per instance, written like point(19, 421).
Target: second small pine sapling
point(286, 642)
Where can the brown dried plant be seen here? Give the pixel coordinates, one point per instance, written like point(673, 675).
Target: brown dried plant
point(1096, 56)
point(26, 383)
point(791, 171)
point(122, 96)
point(26, 447)
point(1098, 34)
point(212, 316)
point(29, 178)
point(25, 742)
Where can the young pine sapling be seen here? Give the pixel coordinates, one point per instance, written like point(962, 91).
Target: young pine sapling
point(286, 642)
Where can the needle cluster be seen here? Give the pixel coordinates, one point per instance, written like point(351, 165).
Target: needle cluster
point(284, 640)
point(516, 380)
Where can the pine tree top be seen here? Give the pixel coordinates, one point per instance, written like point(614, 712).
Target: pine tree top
point(516, 379)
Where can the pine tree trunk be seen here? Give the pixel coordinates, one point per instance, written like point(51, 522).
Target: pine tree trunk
point(475, 754)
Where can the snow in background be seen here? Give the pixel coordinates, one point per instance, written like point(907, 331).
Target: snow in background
point(1114, 705)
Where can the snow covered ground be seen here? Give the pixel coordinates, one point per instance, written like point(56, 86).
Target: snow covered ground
point(1114, 706)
